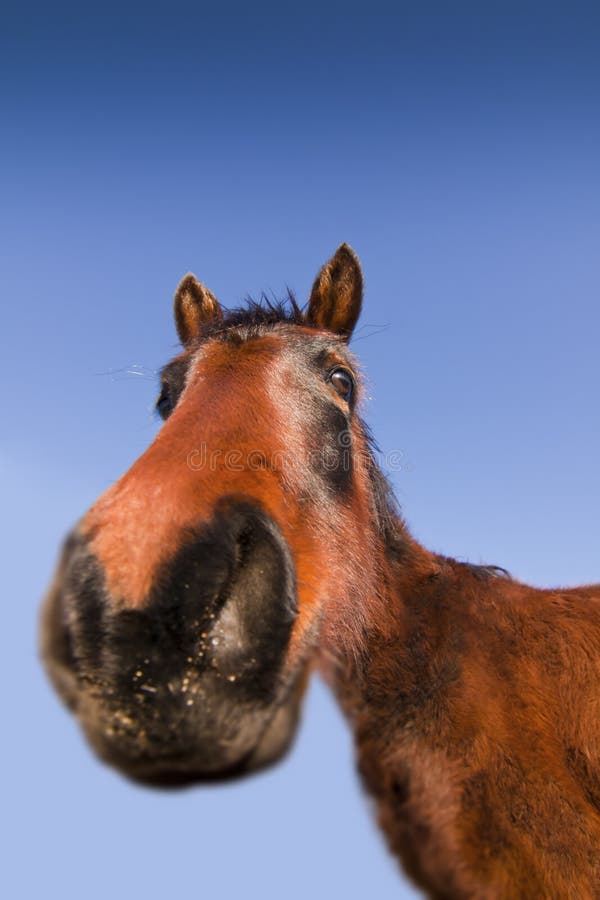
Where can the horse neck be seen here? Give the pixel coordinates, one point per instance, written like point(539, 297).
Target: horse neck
point(372, 627)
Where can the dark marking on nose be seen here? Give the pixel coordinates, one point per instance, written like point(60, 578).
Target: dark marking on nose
point(184, 676)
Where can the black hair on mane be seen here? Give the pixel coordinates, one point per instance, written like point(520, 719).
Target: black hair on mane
point(257, 315)
point(483, 571)
point(388, 515)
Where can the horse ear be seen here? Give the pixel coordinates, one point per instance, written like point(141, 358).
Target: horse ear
point(336, 296)
point(194, 306)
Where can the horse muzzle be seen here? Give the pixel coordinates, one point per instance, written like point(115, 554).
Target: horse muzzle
point(194, 683)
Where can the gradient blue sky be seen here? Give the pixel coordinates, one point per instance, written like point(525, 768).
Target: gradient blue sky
point(456, 147)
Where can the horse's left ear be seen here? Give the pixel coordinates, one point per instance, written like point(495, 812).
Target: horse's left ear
point(194, 306)
point(336, 296)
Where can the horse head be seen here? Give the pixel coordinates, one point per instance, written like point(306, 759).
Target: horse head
point(189, 600)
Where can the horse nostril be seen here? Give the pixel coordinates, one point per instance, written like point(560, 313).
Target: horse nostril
point(239, 551)
point(238, 589)
point(245, 542)
point(243, 545)
point(259, 603)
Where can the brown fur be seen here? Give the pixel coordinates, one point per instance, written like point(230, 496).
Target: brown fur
point(475, 710)
point(473, 698)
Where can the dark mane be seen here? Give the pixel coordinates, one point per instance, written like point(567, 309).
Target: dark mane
point(256, 316)
point(481, 572)
point(388, 515)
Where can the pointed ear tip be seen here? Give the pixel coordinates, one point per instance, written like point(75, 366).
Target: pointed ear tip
point(347, 251)
point(188, 279)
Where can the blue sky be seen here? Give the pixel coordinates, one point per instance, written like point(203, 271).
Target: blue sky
point(456, 147)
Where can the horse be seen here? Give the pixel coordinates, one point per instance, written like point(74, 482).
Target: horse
point(257, 537)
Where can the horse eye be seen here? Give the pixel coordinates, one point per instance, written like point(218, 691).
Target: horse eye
point(164, 407)
point(343, 383)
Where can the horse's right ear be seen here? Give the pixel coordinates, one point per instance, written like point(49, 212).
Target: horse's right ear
point(194, 306)
point(336, 296)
